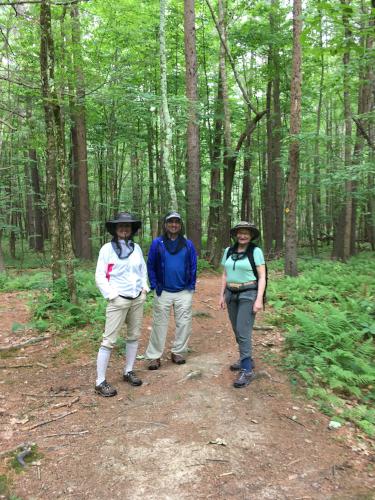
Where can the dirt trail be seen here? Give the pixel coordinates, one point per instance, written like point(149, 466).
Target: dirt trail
point(186, 433)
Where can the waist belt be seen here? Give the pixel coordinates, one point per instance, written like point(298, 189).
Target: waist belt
point(241, 285)
point(130, 298)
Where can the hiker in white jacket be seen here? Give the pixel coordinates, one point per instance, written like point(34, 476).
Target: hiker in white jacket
point(121, 276)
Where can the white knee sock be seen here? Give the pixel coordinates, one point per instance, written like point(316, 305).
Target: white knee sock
point(131, 353)
point(101, 363)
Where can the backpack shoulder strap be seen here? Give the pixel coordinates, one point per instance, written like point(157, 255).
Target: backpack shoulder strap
point(250, 256)
point(231, 250)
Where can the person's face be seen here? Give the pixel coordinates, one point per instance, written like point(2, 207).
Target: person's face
point(173, 226)
point(123, 230)
point(243, 236)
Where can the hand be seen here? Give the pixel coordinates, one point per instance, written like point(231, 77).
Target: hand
point(222, 302)
point(258, 305)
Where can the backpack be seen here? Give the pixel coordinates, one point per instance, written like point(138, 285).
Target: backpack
point(250, 256)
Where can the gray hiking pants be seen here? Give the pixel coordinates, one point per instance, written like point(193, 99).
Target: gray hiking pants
point(240, 311)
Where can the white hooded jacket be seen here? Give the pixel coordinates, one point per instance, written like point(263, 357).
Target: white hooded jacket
point(115, 276)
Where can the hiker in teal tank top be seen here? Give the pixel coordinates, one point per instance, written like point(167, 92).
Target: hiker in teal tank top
point(242, 292)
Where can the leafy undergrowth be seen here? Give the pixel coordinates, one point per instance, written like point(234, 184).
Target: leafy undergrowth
point(53, 311)
point(328, 312)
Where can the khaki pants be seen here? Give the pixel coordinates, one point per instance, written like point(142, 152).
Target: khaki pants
point(182, 307)
point(120, 311)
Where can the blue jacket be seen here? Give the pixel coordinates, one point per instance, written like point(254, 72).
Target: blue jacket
point(158, 259)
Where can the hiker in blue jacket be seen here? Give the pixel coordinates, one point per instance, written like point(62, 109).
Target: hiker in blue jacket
point(172, 269)
point(242, 291)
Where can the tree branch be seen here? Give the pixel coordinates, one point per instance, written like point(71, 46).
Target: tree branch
point(25, 2)
point(7, 124)
point(12, 111)
point(363, 133)
point(23, 84)
point(237, 78)
point(249, 129)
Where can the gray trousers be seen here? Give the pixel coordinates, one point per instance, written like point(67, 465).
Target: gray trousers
point(240, 311)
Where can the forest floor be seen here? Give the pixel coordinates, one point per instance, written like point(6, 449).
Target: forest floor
point(185, 433)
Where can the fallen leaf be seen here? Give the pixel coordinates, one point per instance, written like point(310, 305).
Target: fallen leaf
point(218, 441)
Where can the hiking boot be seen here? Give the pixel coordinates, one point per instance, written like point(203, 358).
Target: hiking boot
point(105, 390)
point(244, 379)
point(236, 367)
point(154, 364)
point(177, 358)
point(132, 378)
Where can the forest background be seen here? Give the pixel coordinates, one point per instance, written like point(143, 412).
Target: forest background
point(148, 106)
point(223, 110)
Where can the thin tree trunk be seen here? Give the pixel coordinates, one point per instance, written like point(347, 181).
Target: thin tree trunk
point(276, 138)
point(2, 263)
point(165, 119)
point(347, 228)
point(215, 190)
point(291, 268)
point(246, 206)
point(229, 166)
point(82, 229)
point(152, 184)
point(269, 195)
point(193, 176)
point(316, 201)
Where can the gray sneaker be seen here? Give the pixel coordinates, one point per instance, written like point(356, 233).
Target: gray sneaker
point(244, 379)
point(105, 390)
point(132, 378)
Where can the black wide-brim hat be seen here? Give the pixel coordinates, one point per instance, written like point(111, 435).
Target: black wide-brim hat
point(124, 217)
point(254, 231)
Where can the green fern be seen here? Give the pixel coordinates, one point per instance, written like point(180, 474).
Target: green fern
point(329, 318)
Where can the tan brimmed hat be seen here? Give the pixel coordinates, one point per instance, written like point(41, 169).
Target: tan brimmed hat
point(245, 225)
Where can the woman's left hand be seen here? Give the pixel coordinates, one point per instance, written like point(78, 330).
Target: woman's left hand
point(258, 306)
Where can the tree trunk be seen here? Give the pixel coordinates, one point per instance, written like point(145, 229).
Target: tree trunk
point(81, 213)
point(365, 107)
point(347, 228)
point(215, 190)
point(291, 268)
point(47, 72)
point(2, 263)
point(246, 206)
point(36, 236)
point(276, 142)
point(56, 161)
point(229, 165)
point(315, 198)
point(193, 177)
point(165, 119)
point(269, 195)
point(152, 184)
point(136, 177)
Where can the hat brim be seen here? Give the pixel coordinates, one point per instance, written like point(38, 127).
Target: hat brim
point(111, 226)
point(252, 230)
